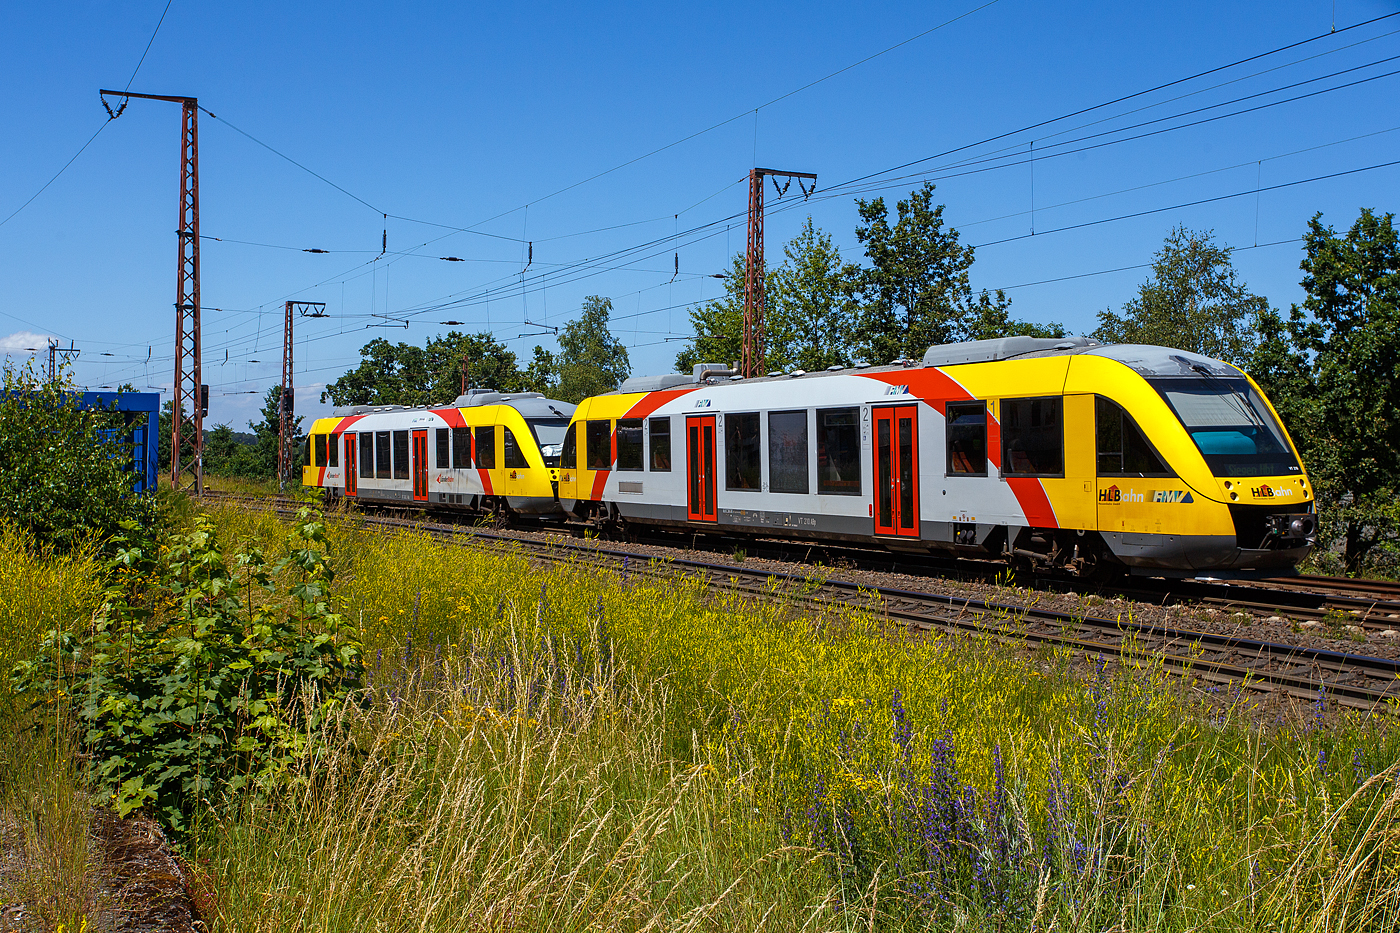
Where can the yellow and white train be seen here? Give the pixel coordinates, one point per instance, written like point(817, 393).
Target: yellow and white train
point(1057, 453)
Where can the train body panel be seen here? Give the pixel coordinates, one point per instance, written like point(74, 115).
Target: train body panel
point(1061, 452)
point(486, 452)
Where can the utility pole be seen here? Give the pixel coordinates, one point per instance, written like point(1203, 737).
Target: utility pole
point(54, 351)
point(286, 401)
point(755, 349)
point(191, 395)
point(466, 373)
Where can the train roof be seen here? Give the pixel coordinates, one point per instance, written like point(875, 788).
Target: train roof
point(529, 404)
point(1141, 358)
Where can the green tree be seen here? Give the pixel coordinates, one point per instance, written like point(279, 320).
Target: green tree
point(591, 359)
point(719, 324)
point(63, 476)
point(1193, 301)
point(1333, 371)
point(916, 292)
point(402, 374)
point(811, 307)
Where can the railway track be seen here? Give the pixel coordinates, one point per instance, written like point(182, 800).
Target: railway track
point(1352, 680)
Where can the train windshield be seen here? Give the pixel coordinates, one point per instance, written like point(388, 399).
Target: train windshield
point(1234, 430)
point(550, 436)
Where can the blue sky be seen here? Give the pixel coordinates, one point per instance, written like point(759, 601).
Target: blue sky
point(495, 117)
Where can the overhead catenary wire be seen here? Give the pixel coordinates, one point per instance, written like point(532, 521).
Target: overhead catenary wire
point(583, 265)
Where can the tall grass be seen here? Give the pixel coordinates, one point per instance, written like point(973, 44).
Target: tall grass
point(546, 747)
point(44, 815)
point(824, 764)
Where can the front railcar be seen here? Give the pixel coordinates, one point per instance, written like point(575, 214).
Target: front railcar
point(1253, 509)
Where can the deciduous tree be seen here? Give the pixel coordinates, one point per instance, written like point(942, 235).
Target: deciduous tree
point(591, 359)
point(1333, 371)
point(1193, 301)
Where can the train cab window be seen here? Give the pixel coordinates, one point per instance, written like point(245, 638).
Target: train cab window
point(365, 439)
point(306, 452)
point(486, 447)
point(444, 449)
point(400, 455)
point(838, 451)
point(659, 430)
point(629, 444)
point(787, 452)
point(598, 449)
point(568, 459)
point(549, 435)
point(513, 454)
point(967, 438)
point(742, 452)
point(333, 451)
point(320, 442)
point(382, 456)
point(1123, 449)
point(461, 448)
point(1032, 437)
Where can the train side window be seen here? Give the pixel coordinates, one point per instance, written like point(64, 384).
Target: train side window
point(1032, 437)
point(598, 449)
point(461, 448)
point(967, 438)
point(382, 455)
point(400, 455)
point(486, 447)
point(838, 451)
point(333, 450)
point(514, 456)
point(660, 439)
point(787, 452)
point(320, 441)
point(742, 452)
point(568, 457)
point(629, 445)
point(444, 451)
point(365, 440)
point(1123, 449)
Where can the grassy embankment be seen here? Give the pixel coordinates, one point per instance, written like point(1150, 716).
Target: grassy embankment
point(555, 749)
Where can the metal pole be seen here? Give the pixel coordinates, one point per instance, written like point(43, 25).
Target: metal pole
point(284, 408)
point(188, 414)
point(755, 344)
point(752, 363)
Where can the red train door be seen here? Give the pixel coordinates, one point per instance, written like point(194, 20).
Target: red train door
point(420, 466)
point(897, 471)
point(700, 468)
point(352, 466)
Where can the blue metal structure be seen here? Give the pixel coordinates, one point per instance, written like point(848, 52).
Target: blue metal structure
point(141, 411)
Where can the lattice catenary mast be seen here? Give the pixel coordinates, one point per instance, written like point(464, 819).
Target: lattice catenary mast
point(755, 350)
point(286, 400)
point(191, 401)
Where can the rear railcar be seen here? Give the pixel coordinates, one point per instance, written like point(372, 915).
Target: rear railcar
point(488, 452)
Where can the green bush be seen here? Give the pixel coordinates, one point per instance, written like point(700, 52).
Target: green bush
point(201, 677)
point(61, 479)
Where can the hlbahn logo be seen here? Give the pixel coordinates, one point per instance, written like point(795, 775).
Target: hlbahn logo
point(1171, 495)
point(1269, 492)
point(1114, 494)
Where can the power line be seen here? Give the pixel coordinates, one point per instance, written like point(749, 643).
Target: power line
point(1159, 210)
point(147, 51)
point(1126, 97)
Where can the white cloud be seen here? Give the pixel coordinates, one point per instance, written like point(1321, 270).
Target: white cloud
point(23, 342)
